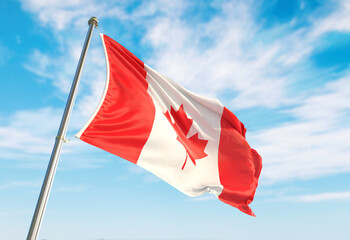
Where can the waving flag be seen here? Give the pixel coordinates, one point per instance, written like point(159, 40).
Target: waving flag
point(192, 142)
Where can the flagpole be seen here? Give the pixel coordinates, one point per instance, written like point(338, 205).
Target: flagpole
point(51, 169)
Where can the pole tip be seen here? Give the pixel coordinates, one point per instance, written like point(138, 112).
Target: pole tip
point(93, 20)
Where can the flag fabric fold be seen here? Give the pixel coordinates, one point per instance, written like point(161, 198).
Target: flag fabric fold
point(192, 142)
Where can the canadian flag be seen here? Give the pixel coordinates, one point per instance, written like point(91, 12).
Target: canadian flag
point(193, 143)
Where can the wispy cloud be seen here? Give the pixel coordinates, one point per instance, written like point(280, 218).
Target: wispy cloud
point(28, 137)
point(316, 144)
point(60, 15)
point(19, 184)
point(147, 177)
point(207, 197)
point(55, 13)
point(27, 131)
point(39, 64)
point(319, 197)
point(71, 188)
point(337, 21)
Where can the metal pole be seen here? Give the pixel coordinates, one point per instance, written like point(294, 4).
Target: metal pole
point(51, 169)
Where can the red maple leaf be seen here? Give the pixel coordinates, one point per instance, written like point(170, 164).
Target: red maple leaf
point(182, 124)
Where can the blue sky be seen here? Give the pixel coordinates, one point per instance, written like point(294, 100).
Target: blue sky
point(281, 66)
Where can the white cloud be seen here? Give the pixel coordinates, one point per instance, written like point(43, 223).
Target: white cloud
point(147, 177)
point(28, 138)
point(62, 15)
point(60, 70)
point(72, 188)
point(56, 13)
point(329, 105)
point(206, 197)
point(19, 184)
point(316, 144)
point(339, 20)
point(39, 64)
point(319, 197)
point(27, 131)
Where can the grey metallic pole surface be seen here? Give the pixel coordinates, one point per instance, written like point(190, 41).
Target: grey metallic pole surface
point(51, 169)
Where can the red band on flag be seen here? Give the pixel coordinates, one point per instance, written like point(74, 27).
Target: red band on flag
point(117, 128)
point(239, 165)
